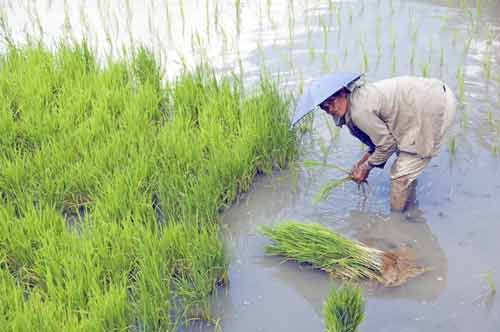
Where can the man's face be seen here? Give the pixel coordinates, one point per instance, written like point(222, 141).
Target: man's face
point(335, 106)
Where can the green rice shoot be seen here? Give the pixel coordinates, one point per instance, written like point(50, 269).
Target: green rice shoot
point(344, 309)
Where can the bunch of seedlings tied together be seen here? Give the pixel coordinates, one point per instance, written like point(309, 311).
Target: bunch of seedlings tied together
point(343, 258)
point(111, 182)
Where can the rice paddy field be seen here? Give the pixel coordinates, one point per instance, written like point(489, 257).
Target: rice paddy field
point(143, 144)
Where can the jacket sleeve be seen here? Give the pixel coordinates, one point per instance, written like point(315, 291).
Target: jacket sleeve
point(385, 145)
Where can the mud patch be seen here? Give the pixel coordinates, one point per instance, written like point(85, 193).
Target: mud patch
point(399, 266)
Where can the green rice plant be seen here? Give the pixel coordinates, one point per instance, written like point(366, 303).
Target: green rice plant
point(94, 235)
point(325, 191)
point(378, 41)
point(425, 70)
point(488, 277)
point(454, 38)
point(393, 39)
point(452, 145)
point(326, 66)
point(339, 20)
point(467, 45)
point(487, 65)
point(237, 7)
point(324, 29)
point(323, 249)
point(393, 65)
point(269, 6)
point(291, 23)
point(344, 309)
point(183, 16)
point(441, 57)
point(460, 83)
point(365, 60)
point(207, 20)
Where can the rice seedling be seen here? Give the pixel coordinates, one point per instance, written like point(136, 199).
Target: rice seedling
point(365, 60)
point(460, 83)
point(331, 185)
point(393, 39)
point(487, 65)
point(488, 277)
point(393, 65)
point(269, 6)
point(237, 7)
point(452, 145)
point(343, 258)
point(425, 70)
point(344, 309)
point(183, 17)
point(339, 20)
point(441, 57)
point(105, 240)
point(467, 45)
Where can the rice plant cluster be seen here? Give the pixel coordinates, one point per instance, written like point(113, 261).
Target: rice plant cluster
point(344, 309)
point(326, 250)
point(111, 181)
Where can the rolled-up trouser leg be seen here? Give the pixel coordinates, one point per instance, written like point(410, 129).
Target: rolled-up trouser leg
point(404, 173)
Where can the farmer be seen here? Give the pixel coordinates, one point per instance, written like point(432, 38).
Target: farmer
point(404, 115)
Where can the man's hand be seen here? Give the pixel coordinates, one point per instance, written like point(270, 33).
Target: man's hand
point(362, 160)
point(361, 171)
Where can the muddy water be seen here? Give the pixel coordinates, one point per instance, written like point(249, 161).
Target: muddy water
point(455, 228)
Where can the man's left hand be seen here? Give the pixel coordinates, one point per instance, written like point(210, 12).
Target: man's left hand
point(360, 173)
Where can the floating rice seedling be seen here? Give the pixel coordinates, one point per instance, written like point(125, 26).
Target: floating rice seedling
point(343, 310)
point(341, 257)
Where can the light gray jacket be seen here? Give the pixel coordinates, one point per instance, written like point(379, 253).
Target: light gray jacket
point(402, 113)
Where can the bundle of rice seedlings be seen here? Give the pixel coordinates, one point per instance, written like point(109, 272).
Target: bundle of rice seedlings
point(341, 257)
point(344, 309)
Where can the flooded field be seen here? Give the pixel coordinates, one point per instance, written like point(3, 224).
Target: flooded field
point(453, 231)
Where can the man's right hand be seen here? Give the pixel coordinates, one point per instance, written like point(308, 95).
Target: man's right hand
point(361, 161)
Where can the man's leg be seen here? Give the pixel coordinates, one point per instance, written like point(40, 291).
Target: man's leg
point(404, 173)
